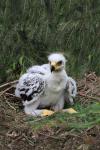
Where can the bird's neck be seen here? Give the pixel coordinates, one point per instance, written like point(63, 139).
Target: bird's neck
point(59, 73)
point(57, 81)
point(58, 76)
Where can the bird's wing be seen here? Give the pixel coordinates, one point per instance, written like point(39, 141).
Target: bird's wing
point(72, 88)
point(46, 67)
point(43, 69)
point(35, 69)
point(30, 87)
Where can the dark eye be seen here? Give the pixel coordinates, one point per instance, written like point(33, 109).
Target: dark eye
point(59, 63)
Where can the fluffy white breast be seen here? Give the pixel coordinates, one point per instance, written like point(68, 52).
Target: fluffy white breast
point(56, 84)
point(57, 81)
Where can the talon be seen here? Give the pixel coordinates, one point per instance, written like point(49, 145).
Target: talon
point(70, 110)
point(47, 112)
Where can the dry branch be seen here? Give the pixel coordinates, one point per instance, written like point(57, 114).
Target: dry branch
point(1, 93)
point(8, 84)
point(91, 97)
point(10, 105)
point(9, 94)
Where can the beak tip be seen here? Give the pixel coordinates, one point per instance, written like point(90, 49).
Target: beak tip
point(52, 68)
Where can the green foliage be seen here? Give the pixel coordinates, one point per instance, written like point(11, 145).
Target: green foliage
point(85, 118)
point(31, 29)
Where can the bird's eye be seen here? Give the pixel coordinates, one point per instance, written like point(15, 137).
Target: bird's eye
point(59, 63)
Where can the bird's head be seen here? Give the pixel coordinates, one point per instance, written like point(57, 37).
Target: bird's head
point(57, 62)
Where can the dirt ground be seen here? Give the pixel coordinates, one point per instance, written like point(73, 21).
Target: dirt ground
point(17, 134)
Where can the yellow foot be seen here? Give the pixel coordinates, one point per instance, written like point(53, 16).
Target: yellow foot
point(46, 113)
point(70, 110)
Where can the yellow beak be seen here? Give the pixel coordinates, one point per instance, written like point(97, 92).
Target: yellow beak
point(53, 63)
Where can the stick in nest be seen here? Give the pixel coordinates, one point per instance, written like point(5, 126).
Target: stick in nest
point(10, 105)
point(91, 97)
point(1, 93)
point(9, 83)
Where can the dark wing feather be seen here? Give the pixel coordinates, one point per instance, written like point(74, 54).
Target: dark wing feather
point(30, 87)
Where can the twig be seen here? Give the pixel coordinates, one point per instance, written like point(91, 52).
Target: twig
point(39, 119)
point(9, 83)
point(50, 136)
point(69, 134)
point(90, 128)
point(6, 90)
point(29, 141)
point(91, 97)
point(17, 139)
point(11, 95)
point(60, 137)
point(10, 105)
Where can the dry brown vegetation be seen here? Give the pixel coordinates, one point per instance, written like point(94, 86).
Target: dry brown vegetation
point(17, 133)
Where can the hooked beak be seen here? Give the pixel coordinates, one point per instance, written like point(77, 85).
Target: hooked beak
point(53, 66)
